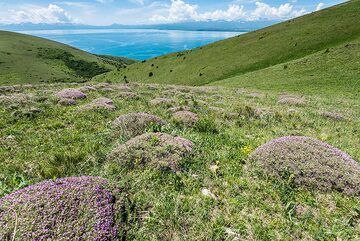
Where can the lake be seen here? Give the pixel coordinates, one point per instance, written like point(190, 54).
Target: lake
point(137, 44)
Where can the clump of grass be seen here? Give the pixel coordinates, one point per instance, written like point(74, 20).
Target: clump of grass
point(206, 125)
point(133, 124)
point(158, 150)
point(58, 210)
point(313, 164)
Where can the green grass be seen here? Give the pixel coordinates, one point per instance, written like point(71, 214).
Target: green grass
point(256, 50)
point(60, 141)
point(28, 59)
point(331, 72)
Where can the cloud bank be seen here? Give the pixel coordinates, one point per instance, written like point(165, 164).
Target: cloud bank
point(179, 11)
point(51, 14)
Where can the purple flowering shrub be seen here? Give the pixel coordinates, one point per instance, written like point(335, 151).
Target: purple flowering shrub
point(75, 208)
point(159, 150)
point(312, 164)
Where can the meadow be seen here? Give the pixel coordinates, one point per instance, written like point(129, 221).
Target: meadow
point(215, 193)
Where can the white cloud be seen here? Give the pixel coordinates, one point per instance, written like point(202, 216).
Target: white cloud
point(284, 11)
point(320, 6)
point(179, 11)
point(234, 12)
point(36, 14)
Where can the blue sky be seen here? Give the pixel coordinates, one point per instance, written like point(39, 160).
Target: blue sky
point(105, 12)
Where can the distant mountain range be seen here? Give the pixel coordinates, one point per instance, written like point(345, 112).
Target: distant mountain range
point(233, 26)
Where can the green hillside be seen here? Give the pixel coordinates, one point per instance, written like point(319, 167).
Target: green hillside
point(28, 59)
point(327, 72)
point(280, 43)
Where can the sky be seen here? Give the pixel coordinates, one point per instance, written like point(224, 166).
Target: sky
point(106, 12)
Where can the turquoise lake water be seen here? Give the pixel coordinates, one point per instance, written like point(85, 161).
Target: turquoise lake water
point(137, 44)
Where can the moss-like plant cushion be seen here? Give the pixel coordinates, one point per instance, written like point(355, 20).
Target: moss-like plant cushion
point(75, 208)
point(312, 163)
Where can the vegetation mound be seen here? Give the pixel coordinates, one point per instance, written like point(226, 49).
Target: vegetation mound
point(311, 163)
point(70, 94)
point(100, 103)
point(186, 118)
point(134, 124)
point(158, 150)
point(161, 102)
point(64, 209)
point(14, 99)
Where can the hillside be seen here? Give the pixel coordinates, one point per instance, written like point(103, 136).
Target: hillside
point(28, 59)
point(270, 46)
point(333, 71)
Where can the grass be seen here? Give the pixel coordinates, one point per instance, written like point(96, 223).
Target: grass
point(281, 43)
point(160, 205)
point(330, 72)
point(28, 59)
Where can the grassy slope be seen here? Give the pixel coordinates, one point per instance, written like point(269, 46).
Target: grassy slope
point(20, 61)
point(63, 141)
point(256, 50)
point(327, 72)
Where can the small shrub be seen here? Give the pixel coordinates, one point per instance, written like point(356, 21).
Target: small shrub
point(158, 150)
point(75, 208)
point(312, 163)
